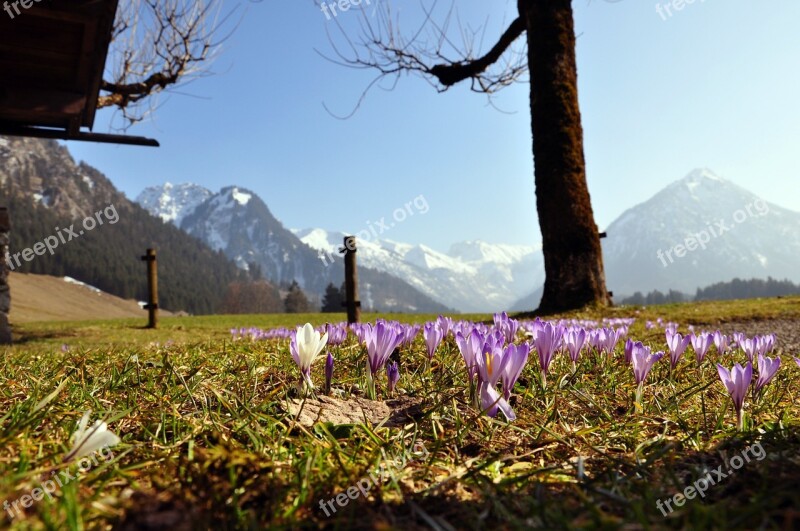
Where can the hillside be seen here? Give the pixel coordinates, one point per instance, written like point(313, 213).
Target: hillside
point(45, 298)
point(47, 192)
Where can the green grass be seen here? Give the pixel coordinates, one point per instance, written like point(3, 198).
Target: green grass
point(206, 436)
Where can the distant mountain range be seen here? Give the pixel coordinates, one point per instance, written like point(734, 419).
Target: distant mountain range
point(238, 223)
point(699, 230)
point(475, 276)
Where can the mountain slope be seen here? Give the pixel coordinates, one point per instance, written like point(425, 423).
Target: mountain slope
point(473, 277)
point(742, 236)
point(46, 189)
point(171, 202)
point(238, 223)
point(46, 298)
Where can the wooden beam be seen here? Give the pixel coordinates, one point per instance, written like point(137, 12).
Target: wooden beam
point(61, 134)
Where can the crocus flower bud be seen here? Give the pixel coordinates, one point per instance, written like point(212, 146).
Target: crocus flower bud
point(393, 375)
point(328, 373)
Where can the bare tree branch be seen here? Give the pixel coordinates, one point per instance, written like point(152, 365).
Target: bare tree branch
point(157, 45)
point(430, 51)
point(450, 74)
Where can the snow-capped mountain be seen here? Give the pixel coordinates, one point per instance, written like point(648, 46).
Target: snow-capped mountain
point(171, 202)
point(236, 222)
point(473, 276)
point(700, 230)
point(746, 237)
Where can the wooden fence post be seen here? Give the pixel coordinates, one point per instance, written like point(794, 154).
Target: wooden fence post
point(152, 288)
point(351, 301)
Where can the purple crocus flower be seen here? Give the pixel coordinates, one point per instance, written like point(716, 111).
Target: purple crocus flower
point(491, 366)
point(445, 324)
point(767, 369)
point(328, 373)
point(642, 361)
point(677, 345)
point(630, 348)
point(546, 342)
point(392, 375)
point(797, 361)
point(433, 334)
point(722, 342)
point(495, 339)
point(507, 326)
point(410, 333)
point(533, 327)
point(701, 343)
point(765, 344)
point(361, 330)
point(595, 339)
point(737, 380)
point(516, 356)
point(574, 341)
point(471, 348)
point(738, 338)
point(607, 339)
point(381, 340)
point(750, 347)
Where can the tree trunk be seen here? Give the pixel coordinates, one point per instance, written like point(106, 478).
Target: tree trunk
point(573, 259)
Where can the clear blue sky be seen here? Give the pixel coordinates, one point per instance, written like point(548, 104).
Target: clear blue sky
point(715, 85)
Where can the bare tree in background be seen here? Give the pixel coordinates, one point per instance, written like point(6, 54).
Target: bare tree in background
point(158, 45)
point(540, 42)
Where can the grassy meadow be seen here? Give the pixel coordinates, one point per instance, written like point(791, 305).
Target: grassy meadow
point(208, 439)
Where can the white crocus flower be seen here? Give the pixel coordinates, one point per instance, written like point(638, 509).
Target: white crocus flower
point(87, 441)
point(305, 347)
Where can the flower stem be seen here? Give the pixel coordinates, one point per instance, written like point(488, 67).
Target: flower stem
point(638, 401)
point(370, 385)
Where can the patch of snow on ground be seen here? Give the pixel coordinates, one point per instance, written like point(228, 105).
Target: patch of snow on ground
point(71, 280)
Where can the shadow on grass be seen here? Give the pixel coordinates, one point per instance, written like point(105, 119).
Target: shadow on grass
point(760, 494)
